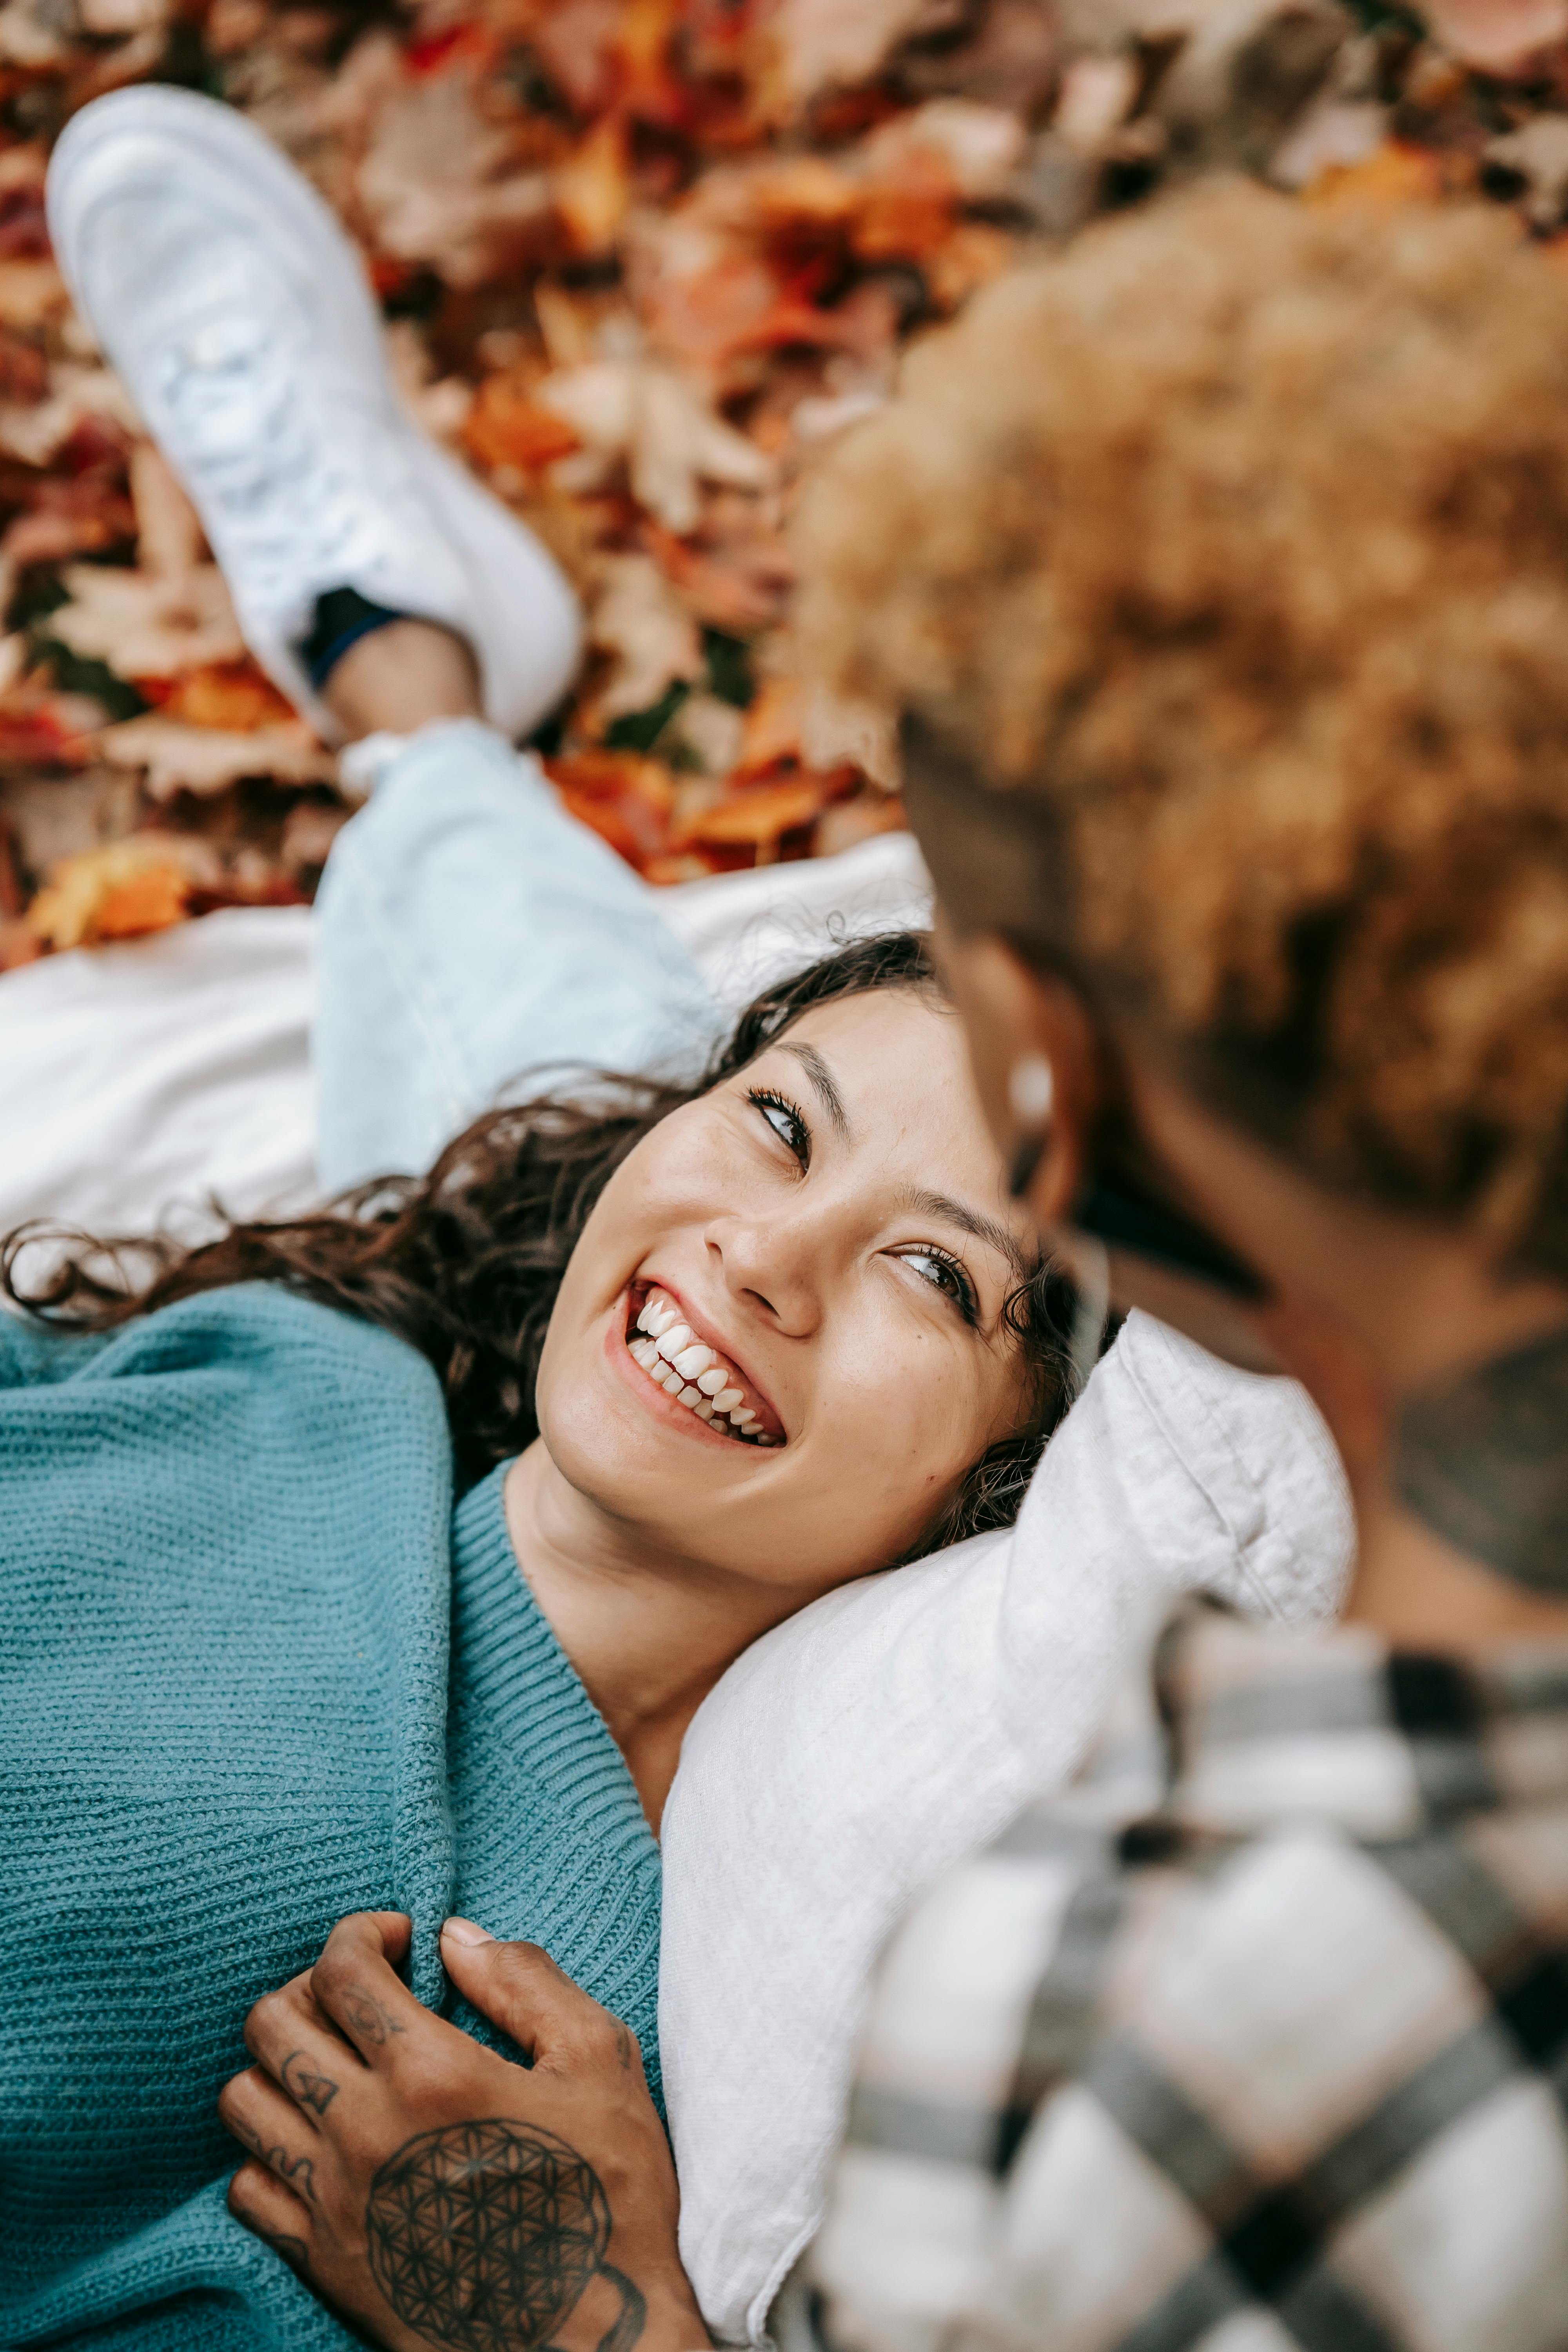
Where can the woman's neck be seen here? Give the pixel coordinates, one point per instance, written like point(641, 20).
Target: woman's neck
point(648, 1633)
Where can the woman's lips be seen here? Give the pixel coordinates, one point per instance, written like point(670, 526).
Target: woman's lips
point(668, 1347)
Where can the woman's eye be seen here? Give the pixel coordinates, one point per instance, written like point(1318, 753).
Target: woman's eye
point(787, 1122)
point(946, 1275)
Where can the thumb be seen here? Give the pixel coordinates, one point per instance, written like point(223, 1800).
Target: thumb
point(518, 1988)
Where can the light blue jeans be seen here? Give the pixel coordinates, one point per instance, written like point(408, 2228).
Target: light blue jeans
point(474, 943)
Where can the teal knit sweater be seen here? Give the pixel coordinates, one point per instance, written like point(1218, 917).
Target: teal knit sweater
point(255, 1673)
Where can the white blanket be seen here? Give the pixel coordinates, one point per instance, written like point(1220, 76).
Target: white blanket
point(875, 1737)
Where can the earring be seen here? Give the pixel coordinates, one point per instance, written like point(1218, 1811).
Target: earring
point(1031, 1091)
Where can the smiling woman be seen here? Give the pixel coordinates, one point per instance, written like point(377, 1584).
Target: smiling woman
point(690, 1358)
point(745, 1340)
point(698, 1358)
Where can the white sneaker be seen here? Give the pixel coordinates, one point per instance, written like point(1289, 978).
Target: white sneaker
point(228, 297)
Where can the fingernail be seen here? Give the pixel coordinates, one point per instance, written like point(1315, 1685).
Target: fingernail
point(463, 1931)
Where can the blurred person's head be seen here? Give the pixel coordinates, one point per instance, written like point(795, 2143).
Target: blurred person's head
point(1217, 571)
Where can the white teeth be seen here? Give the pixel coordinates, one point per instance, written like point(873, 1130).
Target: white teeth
point(677, 1362)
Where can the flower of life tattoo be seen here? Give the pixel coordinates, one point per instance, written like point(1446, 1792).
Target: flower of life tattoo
point(484, 2237)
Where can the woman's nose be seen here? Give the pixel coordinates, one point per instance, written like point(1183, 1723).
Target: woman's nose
point(777, 1263)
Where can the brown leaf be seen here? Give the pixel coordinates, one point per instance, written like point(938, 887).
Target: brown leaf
point(31, 292)
point(178, 757)
point(55, 818)
point(146, 625)
point(114, 19)
point(169, 540)
point(817, 45)
point(37, 431)
point(626, 799)
point(507, 427)
point(1393, 174)
point(23, 371)
point(649, 417)
point(772, 727)
point(1502, 37)
point(122, 889)
point(437, 187)
point(759, 813)
point(982, 146)
point(849, 822)
point(836, 732)
point(19, 943)
point(739, 587)
point(575, 43)
point(638, 618)
point(232, 695)
point(593, 188)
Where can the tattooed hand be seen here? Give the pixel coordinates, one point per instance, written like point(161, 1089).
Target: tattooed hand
point(434, 2193)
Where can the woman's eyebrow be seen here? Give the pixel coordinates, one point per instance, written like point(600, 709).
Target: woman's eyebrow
point(822, 1078)
point(973, 1221)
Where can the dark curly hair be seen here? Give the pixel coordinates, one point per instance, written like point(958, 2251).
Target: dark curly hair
point(465, 1263)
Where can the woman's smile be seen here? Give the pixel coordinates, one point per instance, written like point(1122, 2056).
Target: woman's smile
point(674, 1399)
point(681, 1357)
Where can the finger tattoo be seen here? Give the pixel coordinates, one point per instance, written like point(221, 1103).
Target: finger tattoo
point(294, 2251)
point(303, 2081)
point(298, 2171)
point(366, 2015)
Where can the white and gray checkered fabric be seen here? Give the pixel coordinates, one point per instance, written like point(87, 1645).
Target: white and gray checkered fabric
point(1257, 2040)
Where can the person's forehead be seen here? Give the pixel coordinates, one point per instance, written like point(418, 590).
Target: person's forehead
point(898, 1060)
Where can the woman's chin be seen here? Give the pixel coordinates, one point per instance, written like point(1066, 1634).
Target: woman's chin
point(610, 1429)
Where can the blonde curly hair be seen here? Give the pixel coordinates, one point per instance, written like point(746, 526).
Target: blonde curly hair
point(1231, 548)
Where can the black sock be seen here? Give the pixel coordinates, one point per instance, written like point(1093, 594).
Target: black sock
point(342, 617)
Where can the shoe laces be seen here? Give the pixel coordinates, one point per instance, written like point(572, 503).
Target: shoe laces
point(256, 463)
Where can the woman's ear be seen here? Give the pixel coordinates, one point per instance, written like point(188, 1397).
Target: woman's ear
point(1036, 1063)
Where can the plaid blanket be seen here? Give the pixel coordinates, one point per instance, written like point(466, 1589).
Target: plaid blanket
point(1258, 2037)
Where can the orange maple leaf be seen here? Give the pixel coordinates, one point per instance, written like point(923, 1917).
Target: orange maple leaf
point(505, 427)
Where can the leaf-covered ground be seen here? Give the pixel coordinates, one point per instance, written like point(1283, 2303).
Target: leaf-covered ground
point(639, 260)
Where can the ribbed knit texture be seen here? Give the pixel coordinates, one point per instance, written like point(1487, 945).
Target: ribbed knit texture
point(233, 1596)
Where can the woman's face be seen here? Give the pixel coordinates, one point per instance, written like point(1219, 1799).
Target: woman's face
point(821, 1248)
